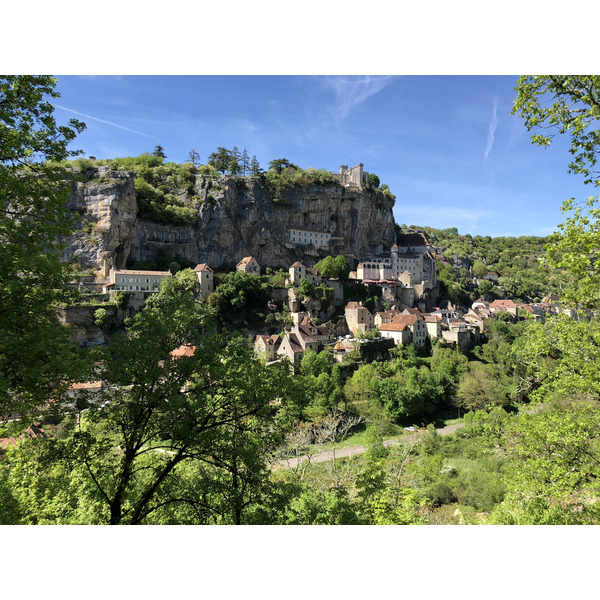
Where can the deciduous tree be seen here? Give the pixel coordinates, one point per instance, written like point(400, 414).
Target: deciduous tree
point(35, 354)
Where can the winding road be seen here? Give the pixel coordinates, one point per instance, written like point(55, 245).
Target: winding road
point(290, 463)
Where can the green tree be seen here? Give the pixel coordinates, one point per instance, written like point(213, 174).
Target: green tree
point(101, 318)
point(342, 266)
point(570, 105)
point(280, 164)
point(557, 359)
point(563, 104)
point(234, 167)
point(36, 356)
point(245, 162)
point(163, 413)
point(480, 269)
point(194, 158)
point(220, 159)
point(159, 152)
point(334, 268)
point(374, 180)
point(479, 389)
point(254, 166)
point(314, 363)
point(554, 471)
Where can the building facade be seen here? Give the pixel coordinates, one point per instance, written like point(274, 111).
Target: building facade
point(358, 318)
point(135, 281)
point(304, 236)
point(249, 265)
point(206, 279)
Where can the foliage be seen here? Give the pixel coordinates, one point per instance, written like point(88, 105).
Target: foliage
point(554, 469)
point(101, 318)
point(563, 104)
point(334, 268)
point(559, 359)
point(374, 180)
point(173, 431)
point(480, 389)
point(36, 357)
point(568, 105)
point(240, 295)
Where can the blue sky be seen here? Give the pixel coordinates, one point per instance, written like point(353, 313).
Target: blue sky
point(447, 146)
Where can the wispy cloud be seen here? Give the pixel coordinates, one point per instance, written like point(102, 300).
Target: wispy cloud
point(352, 91)
point(492, 130)
point(79, 114)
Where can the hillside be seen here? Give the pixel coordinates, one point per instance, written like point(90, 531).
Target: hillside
point(513, 267)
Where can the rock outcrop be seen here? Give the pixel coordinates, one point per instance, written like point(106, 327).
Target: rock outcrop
point(237, 217)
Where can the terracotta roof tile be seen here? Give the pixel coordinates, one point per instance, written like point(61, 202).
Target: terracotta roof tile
point(185, 350)
point(203, 267)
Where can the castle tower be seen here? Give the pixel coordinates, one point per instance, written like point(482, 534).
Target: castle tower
point(394, 260)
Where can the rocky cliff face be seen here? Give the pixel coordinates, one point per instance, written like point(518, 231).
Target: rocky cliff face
point(236, 218)
point(106, 206)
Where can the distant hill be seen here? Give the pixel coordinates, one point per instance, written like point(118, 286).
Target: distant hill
point(512, 266)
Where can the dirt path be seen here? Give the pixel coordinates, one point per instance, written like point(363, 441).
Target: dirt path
point(349, 451)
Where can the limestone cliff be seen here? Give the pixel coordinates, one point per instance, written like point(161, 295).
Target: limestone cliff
point(237, 217)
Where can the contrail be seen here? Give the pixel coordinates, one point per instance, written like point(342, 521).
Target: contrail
point(492, 130)
point(102, 121)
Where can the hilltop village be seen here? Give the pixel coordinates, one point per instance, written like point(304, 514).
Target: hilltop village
point(190, 344)
point(403, 280)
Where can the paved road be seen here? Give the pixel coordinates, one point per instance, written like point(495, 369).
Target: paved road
point(350, 451)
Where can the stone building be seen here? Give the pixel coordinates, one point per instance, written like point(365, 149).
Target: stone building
point(248, 264)
point(134, 281)
point(358, 317)
point(354, 176)
point(298, 272)
point(410, 263)
point(206, 279)
point(266, 346)
point(301, 235)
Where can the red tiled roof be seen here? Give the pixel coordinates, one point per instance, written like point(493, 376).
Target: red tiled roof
point(32, 432)
point(409, 320)
point(86, 385)
point(245, 261)
point(354, 305)
point(185, 350)
point(432, 318)
point(294, 343)
point(393, 326)
point(502, 304)
point(298, 264)
point(203, 267)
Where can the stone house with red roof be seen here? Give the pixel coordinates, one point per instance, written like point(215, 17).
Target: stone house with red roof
point(206, 280)
point(506, 305)
point(385, 316)
point(249, 265)
point(267, 346)
point(302, 336)
point(399, 332)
